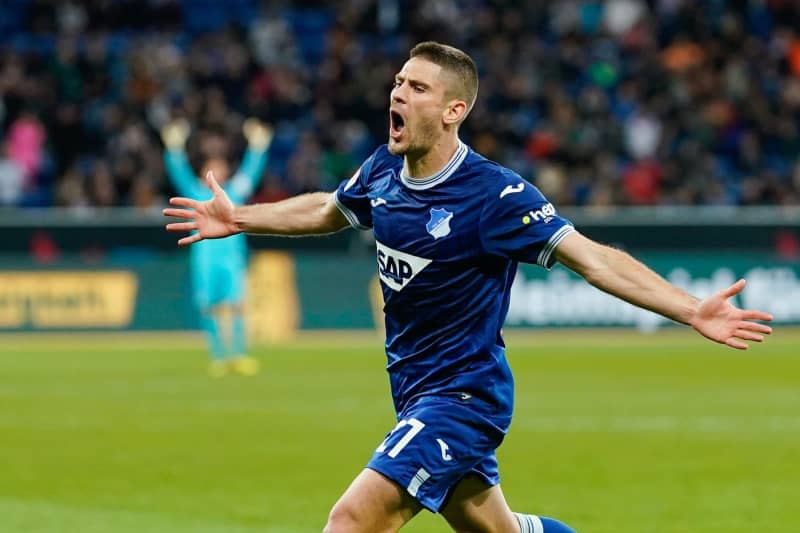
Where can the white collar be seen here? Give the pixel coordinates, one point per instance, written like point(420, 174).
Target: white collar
point(435, 179)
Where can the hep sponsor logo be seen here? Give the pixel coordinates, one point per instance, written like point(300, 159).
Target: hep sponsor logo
point(545, 214)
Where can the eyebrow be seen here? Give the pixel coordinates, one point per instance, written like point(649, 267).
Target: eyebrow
point(411, 81)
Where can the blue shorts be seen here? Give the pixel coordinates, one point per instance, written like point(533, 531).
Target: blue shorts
point(438, 441)
point(218, 282)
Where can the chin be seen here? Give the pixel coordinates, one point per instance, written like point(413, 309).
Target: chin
point(396, 148)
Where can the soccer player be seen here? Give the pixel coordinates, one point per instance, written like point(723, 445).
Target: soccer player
point(451, 227)
point(218, 268)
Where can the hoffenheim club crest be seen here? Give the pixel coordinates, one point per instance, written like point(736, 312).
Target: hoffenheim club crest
point(439, 224)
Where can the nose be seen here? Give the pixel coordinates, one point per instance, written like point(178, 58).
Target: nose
point(398, 95)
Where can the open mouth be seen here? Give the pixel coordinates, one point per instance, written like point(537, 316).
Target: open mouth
point(396, 124)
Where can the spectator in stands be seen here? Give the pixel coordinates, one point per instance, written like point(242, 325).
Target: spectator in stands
point(12, 180)
point(674, 86)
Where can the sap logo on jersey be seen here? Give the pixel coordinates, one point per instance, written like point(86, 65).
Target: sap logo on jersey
point(396, 268)
point(546, 213)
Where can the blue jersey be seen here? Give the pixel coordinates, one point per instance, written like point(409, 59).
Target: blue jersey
point(447, 249)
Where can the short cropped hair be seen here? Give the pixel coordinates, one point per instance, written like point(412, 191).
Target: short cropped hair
point(457, 63)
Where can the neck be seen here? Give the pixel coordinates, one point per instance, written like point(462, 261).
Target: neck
point(420, 166)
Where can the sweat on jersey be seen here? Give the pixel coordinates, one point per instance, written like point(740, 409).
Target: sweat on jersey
point(447, 249)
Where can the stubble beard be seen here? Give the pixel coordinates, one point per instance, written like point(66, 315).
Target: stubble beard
point(394, 149)
point(419, 146)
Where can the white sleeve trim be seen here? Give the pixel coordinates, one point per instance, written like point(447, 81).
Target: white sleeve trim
point(348, 213)
point(545, 258)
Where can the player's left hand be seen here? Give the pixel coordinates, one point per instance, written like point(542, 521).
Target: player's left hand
point(717, 319)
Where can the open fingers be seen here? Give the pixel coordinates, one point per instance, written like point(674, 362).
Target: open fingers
point(751, 314)
point(736, 343)
point(747, 331)
point(184, 202)
point(179, 213)
point(748, 335)
point(754, 326)
point(182, 226)
point(734, 289)
point(190, 239)
point(212, 183)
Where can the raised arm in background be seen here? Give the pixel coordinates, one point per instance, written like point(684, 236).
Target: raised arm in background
point(248, 175)
point(180, 172)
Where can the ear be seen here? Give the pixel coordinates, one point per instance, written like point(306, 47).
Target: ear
point(454, 112)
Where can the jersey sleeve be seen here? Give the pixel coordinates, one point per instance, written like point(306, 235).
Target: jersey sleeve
point(244, 182)
point(182, 176)
point(519, 223)
point(351, 196)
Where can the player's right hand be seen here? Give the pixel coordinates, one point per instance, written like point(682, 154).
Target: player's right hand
point(212, 219)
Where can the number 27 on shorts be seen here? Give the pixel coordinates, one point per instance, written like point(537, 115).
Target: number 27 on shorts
point(416, 427)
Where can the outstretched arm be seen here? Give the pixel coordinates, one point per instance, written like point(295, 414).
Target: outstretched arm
point(619, 274)
point(307, 214)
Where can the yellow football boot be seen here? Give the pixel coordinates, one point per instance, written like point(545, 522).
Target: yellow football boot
point(245, 365)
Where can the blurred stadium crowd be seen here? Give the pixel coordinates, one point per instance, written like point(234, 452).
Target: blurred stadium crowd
point(618, 102)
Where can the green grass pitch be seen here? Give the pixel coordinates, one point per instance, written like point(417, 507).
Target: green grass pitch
point(614, 432)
